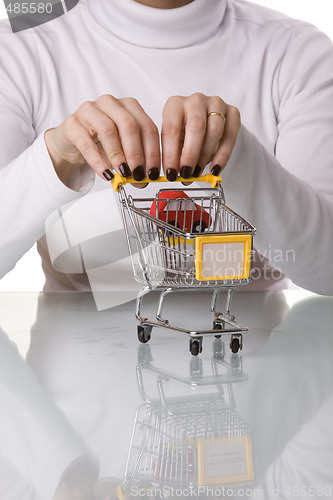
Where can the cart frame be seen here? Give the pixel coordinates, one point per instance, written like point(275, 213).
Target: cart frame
point(171, 433)
point(170, 259)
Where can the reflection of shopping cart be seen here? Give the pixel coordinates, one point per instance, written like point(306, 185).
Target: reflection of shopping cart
point(189, 441)
point(206, 245)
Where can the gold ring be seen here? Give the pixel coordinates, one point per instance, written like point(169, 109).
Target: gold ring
point(224, 118)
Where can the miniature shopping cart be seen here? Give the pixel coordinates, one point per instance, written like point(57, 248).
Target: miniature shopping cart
point(187, 240)
point(189, 441)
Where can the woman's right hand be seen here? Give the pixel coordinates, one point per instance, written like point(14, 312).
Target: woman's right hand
point(108, 134)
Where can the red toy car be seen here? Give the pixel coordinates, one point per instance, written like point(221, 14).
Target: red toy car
point(185, 215)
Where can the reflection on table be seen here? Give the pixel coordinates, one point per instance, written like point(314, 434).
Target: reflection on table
point(92, 413)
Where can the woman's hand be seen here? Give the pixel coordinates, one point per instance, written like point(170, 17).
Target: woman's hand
point(116, 134)
point(196, 130)
point(108, 134)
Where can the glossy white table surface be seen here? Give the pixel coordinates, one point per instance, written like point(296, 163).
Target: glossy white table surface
point(82, 398)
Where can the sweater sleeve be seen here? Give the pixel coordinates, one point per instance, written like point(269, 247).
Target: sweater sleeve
point(29, 186)
point(288, 195)
point(36, 437)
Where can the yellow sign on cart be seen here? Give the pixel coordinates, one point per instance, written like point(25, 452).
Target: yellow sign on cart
point(223, 257)
point(225, 460)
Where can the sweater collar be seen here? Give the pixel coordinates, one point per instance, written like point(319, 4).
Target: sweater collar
point(145, 26)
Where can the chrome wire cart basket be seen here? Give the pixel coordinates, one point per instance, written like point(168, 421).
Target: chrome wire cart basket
point(187, 240)
point(196, 442)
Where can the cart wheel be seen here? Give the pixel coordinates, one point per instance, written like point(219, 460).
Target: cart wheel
point(144, 354)
point(235, 362)
point(218, 349)
point(235, 345)
point(195, 347)
point(218, 325)
point(144, 333)
point(196, 367)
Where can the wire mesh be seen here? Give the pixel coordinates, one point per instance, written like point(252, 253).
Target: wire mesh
point(164, 448)
point(163, 248)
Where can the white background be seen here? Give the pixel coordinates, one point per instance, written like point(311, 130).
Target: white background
point(27, 275)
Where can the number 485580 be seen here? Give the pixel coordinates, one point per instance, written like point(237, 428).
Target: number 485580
point(29, 8)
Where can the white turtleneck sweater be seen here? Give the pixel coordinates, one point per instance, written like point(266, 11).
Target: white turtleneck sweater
point(277, 71)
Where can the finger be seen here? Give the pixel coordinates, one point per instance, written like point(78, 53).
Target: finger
point(79, 136)
point(195, 131)
point(171, 136)
point(103, 131)
point(129, 135)
point(228, 141)
point(214, 132)
point(150, 140)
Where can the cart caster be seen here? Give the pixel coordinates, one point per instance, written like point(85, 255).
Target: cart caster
point(196, 367)
point(195, 346)
point(144, 333)
point(236, 344)
point(235, 363)
point(218, 348)
point(218, 324)
point(144, 354)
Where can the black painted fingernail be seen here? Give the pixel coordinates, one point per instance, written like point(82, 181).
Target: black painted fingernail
point(125, 170)
point(108, 174)
point(196, 171)
point(153, 173)
point(186, 172)
point(138, 173)
point(216, 169)
point(171, 174)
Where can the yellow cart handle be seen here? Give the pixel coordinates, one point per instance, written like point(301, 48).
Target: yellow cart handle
point(118, 180)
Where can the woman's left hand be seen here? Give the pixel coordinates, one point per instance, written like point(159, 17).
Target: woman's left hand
point(197, 130)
